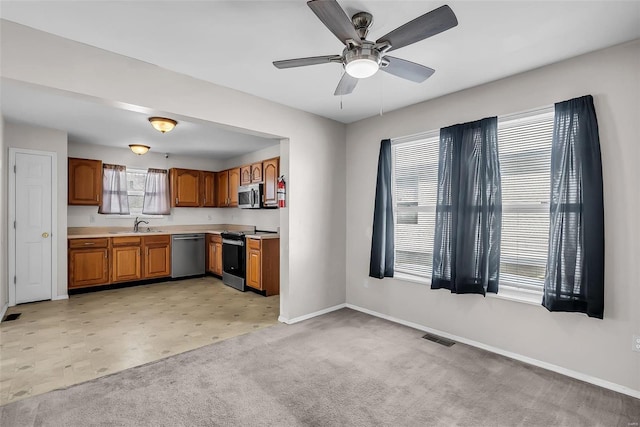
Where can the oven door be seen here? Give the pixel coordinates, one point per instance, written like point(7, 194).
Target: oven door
point(233, 255)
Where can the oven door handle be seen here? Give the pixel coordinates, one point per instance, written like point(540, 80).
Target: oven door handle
point(233, 242)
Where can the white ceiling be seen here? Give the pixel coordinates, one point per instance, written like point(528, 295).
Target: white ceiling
point(233, 43)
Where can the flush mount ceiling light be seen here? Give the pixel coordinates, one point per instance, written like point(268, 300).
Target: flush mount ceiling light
point(139, 149)
point(362, 61)
point(162, 124)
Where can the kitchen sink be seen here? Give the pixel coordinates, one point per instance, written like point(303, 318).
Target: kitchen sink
point(136, 232)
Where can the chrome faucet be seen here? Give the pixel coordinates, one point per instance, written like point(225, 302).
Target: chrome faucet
point(136, 224)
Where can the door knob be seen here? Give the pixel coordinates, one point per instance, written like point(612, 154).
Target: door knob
point(45, 234)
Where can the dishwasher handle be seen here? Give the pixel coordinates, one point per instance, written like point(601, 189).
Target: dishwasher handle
point(196, 237)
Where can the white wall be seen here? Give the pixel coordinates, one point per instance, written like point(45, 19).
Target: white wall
point(4, 179)
point(314, 152)
point(597, 348)
point(36, 138)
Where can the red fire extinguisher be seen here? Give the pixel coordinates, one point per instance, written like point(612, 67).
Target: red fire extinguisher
point(282, 192)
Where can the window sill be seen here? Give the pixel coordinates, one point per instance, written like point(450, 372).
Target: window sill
point(505, 292)
point(518, 295)
point(410, 278)
point(132, 216)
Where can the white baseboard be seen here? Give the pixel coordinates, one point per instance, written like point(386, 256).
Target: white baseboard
point(4, 311)
point(59, 297)
point(310, 315)
point(548, 366)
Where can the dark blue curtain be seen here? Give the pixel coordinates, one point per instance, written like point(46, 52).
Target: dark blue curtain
point(466, 257)
point(382, 242)
point(574, 279)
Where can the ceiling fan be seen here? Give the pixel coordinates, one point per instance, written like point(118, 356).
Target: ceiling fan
point(362, 58)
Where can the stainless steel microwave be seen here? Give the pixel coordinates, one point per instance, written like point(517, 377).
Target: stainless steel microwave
point(250, 196)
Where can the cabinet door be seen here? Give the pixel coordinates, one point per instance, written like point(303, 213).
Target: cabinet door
point(253, 268)
point(125, 263)
point(234, 183)
point(208, 189)
point(256, 173)
point(211, 256)
point(157, 260)
point(270, 175)
point(245, 175)
point(88, 267)
point(85, 182)
point(222, 188)
point(185, 188)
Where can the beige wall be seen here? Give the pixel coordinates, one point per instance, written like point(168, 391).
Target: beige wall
point(41, 139)
point(313, 267)
point(598, 348)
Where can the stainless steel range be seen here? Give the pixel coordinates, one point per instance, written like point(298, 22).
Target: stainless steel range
point(233, 259)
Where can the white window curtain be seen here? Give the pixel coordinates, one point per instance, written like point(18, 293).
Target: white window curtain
point(156, 193)
point(114, 190)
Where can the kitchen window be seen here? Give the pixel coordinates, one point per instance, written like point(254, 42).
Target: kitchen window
point(524, 147)
point(135, 192)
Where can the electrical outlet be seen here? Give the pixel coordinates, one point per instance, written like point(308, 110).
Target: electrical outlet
point(209, 217)
point(92, 219)
point(636, 343)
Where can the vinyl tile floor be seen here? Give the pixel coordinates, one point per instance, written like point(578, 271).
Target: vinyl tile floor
point(54, 344)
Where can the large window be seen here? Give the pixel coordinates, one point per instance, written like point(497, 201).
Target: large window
point(415, 183)
point(524, 146)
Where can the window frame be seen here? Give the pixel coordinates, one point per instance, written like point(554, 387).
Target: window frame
point(133, 215)
point(508, 289)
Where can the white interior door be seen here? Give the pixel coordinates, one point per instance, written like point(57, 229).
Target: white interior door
point(33, 227)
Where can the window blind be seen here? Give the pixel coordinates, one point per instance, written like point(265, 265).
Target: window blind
point(524, 147)
point(415, 181)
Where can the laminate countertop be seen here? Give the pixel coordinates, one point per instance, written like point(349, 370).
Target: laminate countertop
point(91, 232)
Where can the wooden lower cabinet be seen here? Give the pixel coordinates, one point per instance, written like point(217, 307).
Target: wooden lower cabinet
point(214, 254)
point(88, 262)
point(157, 256)
point(263, 265)
point(126, 259)
point(102, 261)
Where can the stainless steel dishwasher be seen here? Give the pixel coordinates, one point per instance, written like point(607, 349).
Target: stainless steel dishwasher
point(187, 255)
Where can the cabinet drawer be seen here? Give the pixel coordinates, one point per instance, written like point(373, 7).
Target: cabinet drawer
point(253, 243)
point(88, 243)
point(152, 240)
point(126, 241)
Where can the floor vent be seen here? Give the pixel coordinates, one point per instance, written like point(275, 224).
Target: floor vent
point(10, 317)
point(440, 340)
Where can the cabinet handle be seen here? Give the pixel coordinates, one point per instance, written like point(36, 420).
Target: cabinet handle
point(88, 243)
point(106, 252)
point(176, 200)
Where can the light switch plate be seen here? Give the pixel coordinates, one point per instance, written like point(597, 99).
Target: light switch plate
point(636, 343)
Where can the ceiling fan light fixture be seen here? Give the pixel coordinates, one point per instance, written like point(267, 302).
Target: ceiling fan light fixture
point(139, 149)
point(361, 68)
point(162, 124)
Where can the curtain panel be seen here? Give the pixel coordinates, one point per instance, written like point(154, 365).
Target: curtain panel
point(114, 190)
point(466, 257)
point(156, 193)
point(383, 239)
point(574, 279)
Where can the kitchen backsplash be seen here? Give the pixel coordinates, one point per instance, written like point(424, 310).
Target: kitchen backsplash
point(262, 219)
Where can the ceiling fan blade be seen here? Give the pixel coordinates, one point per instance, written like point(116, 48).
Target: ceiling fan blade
point(335, 19)
point(407, 69)
point(347, 85)
point(301, 62)
point(427, 25)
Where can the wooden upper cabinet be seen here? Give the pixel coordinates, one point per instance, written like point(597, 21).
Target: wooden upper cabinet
point(222, 188)
point(85, 182)
point(208, 198)
point(270, 170)
point(234, 183)
point(185, 188)
point(256, 173)
point(245, 175)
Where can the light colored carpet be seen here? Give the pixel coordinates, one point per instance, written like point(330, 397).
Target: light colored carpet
point(344, 369)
